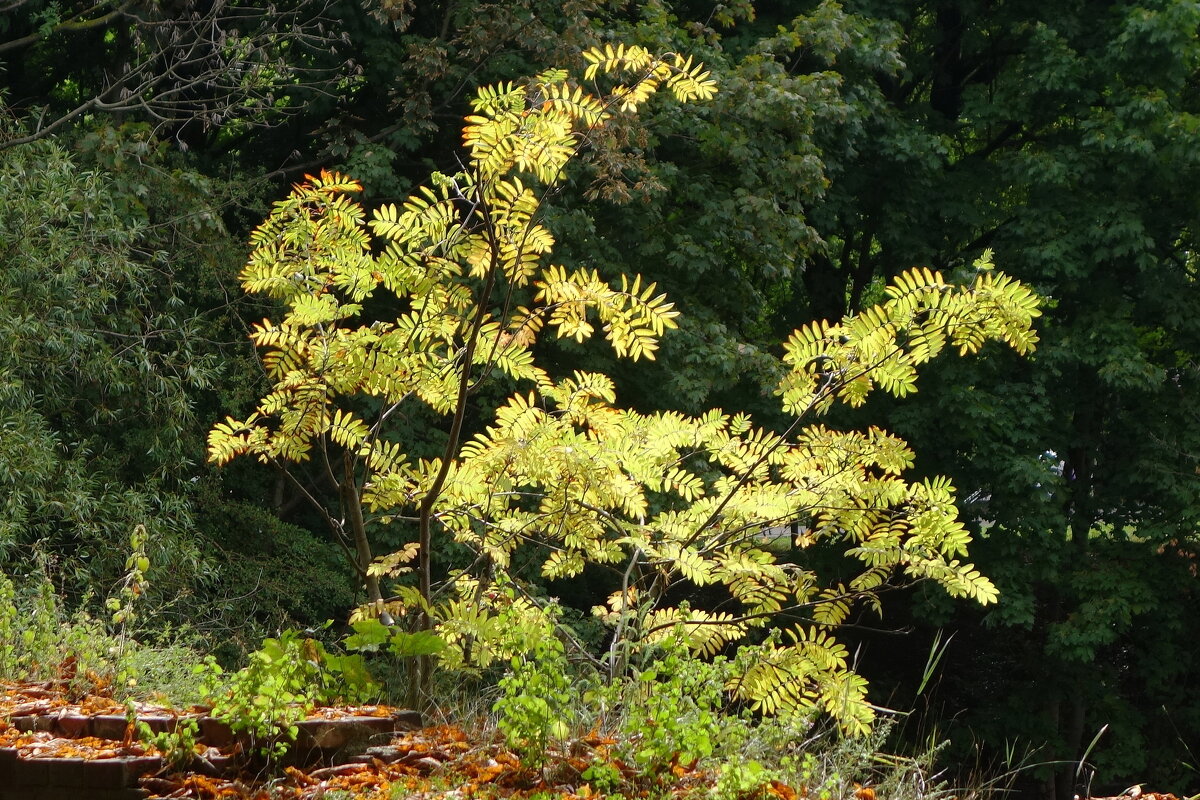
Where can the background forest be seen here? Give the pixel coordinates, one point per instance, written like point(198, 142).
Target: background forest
point(141, 144)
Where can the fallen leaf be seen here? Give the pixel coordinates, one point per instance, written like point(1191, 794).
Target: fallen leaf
point(782, 791)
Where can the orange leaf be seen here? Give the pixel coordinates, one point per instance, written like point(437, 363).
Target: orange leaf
point(300, 777)
point(782, 791)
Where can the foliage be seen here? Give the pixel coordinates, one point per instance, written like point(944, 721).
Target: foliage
point(133, 585)
point(41, 641)
point(850, 141)
point(534, 704)
point(284, 680)
point(178, 745)
point(671, 711)
point(113, 257)
point(271, 574)
point(1032, 131)
point(39, 644)
point(670, 721)
point(919, 133)
point(415, 68)
point(96, 383)
point(744, 779)
point(683, 499)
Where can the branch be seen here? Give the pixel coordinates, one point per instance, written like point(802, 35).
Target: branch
point(1010, 130)
point(335, 527)
point(41, 133)
point(785, 611)
point(68, 26)
point(746, 476)
point(230, 62)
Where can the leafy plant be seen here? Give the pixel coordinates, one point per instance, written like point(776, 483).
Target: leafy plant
point(283, 681)
point(676, 502)
point(37, 639)
point(535, 700)
point(11, 637)
point(672, 712)
point(124, 606)
point(603, 776)
point(41, 640)
point(178, 745)
point(742, 780)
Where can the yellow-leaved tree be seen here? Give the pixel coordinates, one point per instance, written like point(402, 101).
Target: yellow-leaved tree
point(667, 500)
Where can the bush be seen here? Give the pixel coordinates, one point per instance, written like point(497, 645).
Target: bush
point(283, 681)
point(41, 641)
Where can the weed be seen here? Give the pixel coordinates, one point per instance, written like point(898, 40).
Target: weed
point(178, 745)
point(673, 712)
point(742, 780)
point(603, 776)
point(40, 640)
point(536, 695)
point(282, 682)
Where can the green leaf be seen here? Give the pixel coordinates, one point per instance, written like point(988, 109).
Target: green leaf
point(369, 635)
point(421, 643)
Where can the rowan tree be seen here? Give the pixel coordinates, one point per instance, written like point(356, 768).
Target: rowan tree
point(664, 499)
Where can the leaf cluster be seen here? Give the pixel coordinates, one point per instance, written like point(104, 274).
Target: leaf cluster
point(284, 680)
point(665, 500)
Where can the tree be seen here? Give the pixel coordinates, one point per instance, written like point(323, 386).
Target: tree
point(187, 66)
point(661, 497)
point(1072, 150)
point(1062, 137)
point(416, 66)
point(901, 134)
point(96, 374)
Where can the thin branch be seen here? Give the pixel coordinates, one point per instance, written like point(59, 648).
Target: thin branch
point(224, 64)
point(71, 25)
point(335, 526)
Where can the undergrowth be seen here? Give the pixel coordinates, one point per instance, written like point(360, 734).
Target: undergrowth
point(42, 638)
point(81, 652)
point(284, 680)
point(669, 723)
point(665, 723)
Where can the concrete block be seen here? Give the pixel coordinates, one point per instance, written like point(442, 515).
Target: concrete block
point(109, 726)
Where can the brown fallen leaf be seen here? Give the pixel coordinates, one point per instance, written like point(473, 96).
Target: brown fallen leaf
point(782, 791)
point(301, 777)
point(339, 770)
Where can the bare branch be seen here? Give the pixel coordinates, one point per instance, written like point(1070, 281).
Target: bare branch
point(209, 64)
